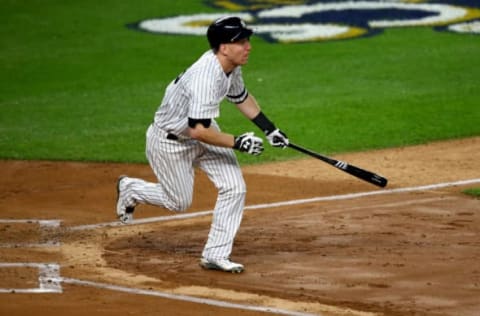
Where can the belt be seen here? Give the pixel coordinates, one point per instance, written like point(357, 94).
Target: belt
point(163, 134)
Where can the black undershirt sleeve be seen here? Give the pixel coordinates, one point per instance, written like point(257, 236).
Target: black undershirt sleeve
point(193, 122)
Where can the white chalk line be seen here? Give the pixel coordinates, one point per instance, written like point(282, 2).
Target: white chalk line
point(48, 277)
point(258, 206)
point(48, 273)
point(185, 298)
point(47, 244)
point(50, 280)
point(280, 204)
point(43, 223)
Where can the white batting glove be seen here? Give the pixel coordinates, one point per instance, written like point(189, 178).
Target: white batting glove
point(249, 143)
point(277, 138)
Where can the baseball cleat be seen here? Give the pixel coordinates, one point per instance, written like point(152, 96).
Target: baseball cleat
point(124, 214)
point(222, 265)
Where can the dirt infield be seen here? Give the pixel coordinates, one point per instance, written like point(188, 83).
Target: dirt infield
point(313, 240)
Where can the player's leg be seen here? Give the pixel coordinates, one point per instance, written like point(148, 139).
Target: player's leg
point(222, 168)
point(171, 161)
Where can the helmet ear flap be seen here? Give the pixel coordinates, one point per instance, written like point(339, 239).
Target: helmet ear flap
point(213, 37)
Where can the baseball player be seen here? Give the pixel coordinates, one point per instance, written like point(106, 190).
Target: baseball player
point(185, 135)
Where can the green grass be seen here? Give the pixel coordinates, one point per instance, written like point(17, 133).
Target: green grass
point(78, 85)
point(475, 192)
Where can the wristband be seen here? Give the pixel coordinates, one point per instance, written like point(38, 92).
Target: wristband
point(264, 123)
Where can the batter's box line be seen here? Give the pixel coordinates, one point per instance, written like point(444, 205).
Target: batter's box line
point(283, 203)
point(49, 280)
point(185, 298)
point(54, 223)
point(43, 223)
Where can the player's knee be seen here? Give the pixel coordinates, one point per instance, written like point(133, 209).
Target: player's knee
point(237, 191)
point(181, 205)
point(240, 195)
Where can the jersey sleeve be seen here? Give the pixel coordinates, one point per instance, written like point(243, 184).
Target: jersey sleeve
point(237, 93)
point(203, 101)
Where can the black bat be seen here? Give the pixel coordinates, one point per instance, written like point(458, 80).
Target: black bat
point(360, 173)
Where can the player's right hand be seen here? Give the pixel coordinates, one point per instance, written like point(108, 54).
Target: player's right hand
point(249, 143)
point(277, 138)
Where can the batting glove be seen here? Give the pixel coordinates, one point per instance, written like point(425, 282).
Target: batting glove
point(249, 143)
point(277, 138)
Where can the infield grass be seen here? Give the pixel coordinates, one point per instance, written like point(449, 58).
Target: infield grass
point(77, 84)
point(475, 192)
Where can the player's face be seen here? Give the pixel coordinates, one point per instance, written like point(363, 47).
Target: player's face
point(237, 52)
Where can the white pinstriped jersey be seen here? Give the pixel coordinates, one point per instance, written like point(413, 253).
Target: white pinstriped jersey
point(197, 93)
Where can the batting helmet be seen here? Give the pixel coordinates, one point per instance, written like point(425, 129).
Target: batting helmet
point(228, 29)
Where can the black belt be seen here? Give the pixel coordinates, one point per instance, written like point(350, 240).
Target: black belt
point(172, 136)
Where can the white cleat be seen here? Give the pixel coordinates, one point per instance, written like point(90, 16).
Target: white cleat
point(124, 213)
point(222, 265)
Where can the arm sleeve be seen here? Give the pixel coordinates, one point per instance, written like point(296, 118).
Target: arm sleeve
point(203, 104)
point(237, 93)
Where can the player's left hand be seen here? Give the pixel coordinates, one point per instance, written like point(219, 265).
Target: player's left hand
point(277, 138)
point(249, 143)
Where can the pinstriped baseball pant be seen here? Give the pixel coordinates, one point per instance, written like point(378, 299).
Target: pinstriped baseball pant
point(173, 163)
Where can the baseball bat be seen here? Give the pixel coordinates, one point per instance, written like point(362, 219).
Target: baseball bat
point(360, 173)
